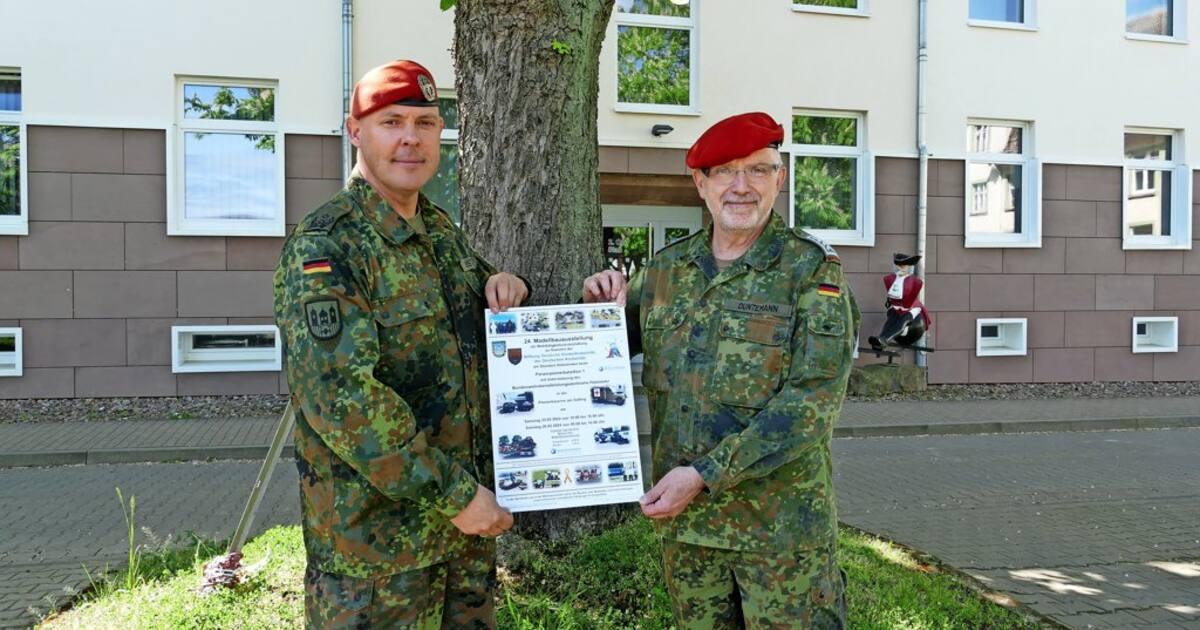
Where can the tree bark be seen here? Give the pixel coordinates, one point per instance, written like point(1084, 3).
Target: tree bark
point(527, 75)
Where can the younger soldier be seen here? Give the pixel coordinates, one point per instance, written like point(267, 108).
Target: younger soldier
point(380, 301)
point(747, 329)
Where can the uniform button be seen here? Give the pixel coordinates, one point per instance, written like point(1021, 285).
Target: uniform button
point(691, 354)
point(683, 408)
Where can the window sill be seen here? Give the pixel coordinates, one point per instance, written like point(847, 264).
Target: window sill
point(1008, 26)
point(860, 13)
point(14, 227)
point(970, 242)
point(840, 238)
point(646, 108)
point(272, 230)
point(1161, 39)
point(1152, 243)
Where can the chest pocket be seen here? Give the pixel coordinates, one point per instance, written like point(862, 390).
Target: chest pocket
point(825, 344)
point(752, 356)
point(409, 344)
point(662, 339)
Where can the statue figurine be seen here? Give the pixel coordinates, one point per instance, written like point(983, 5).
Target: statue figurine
point(907, 318)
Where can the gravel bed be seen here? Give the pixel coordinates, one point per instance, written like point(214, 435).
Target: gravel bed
point(94, 409)
point(182, 407)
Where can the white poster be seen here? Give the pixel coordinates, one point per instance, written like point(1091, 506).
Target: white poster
point(564, 433)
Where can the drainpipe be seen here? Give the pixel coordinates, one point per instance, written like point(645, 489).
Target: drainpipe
point(347, 80)
point(922, 149)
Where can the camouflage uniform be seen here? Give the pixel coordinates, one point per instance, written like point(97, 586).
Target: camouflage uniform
point(745, 370)
point(383, 330)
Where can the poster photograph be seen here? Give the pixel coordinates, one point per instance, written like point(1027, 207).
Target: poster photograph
point(564, 431)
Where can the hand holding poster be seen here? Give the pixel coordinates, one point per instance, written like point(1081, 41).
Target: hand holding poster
point(564, 431)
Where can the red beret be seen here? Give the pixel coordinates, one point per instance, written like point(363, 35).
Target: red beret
point(733, 138)
point(401, 82)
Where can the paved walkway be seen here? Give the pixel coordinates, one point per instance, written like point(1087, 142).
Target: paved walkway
point(57, 520)
point(1094, 529)
point(57, 443)
point(1097, 529)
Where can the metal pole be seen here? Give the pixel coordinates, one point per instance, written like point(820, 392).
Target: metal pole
point(264, 477)
point(922, 150)
point(347, 81)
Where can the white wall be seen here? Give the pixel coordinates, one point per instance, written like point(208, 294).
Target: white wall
point(1077, 77)
point(113, 64)
point(385, 30)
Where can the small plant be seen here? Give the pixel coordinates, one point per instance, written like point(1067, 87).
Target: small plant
point(561, 48)
point(132, 576)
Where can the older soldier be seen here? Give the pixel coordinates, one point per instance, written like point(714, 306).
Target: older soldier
point(747, 329)
point(380, 301)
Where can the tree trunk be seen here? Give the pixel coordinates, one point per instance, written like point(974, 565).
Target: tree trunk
point(527, 78)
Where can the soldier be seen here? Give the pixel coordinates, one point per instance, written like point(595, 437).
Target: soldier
point(747, 329)
point(380, 301)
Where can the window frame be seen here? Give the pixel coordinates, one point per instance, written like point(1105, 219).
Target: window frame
point(863, 9)
point(690, 24)
point(18, 225)
point(1181, 194)
point(864, 234)
point(177, 222)
point(263, 360)
point(1031, 189)
point(1007, 346)
point(18, 368)
point(1140, 344)
point(1178, 26)
point(1029, 23)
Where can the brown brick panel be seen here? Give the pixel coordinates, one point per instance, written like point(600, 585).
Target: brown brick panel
point(74, 245)
point(1064, 292)
point(8, 253)
point(949, 366)
point(1176, 292)
point(1045, 329)
point(614, 159)
point(1093, 183)
point(73, 342)
point(302, 157)
point(893, 214)
point(49, 196)
point(1178, 366)
point(227, 383)
point(1095, 255)
point(305, 195)
point(125, 294)
point(1121, 364)
point(1154, 262)
point(103, 382)
point(39, 383)
point(1099, 329)
point(225, 294)
point(147, 246)
point(895, 176)
point(947, 178)
point(658, 161)
point(944, 292)
point(252, 253)
point(1054, 181)
point(76, 150)
point(1051, 257)
point(1001, 292)
point(145, 151)
point(35, 294)
point(1000, 369)
point(1068, 218)
point(953, 257)
point(1125, 292)
point(110, 197)
point(1063, 365)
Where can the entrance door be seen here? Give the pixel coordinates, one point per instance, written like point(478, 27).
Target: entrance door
point(633, 234)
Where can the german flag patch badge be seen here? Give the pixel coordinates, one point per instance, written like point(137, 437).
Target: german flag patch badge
point(829, 290)
point(320, 265)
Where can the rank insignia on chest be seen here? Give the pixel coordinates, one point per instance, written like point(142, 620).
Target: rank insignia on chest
point(323, 318)
point(829, 290)
point(320, 265)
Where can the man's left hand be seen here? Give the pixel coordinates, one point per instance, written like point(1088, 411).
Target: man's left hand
point(672, 494)
point(504, 291)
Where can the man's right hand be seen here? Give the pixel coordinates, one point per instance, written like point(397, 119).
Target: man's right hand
point(483, 516)
point(606, 286)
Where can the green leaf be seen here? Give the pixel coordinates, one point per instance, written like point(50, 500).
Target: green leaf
point(447, 5)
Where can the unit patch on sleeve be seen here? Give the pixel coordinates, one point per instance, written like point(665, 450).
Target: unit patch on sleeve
point(323, 318)
point(319, 265)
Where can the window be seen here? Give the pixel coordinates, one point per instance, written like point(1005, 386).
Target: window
point(14, 175)
point(832, 191)
point(10, 352)
point(634, 234)
point(656, 56)
point(1155, 334)
point(1003, 206)
point(443, 188)
point(1001, 337)
point(1002, 13)
point(227, 166)
point(225, 349)
point(1155, 19)
point(1157, 200)
point(841, 7)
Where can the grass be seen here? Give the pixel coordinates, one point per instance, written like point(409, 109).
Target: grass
point(611, 580)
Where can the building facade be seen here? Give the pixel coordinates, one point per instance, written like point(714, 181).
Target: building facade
point(153, 157)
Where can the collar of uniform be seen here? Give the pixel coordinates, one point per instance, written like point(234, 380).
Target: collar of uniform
point(761, 254)
point(380, 213)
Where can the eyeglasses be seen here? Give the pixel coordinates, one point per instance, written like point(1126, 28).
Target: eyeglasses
point(756, 173)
